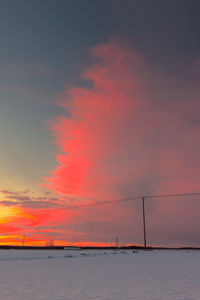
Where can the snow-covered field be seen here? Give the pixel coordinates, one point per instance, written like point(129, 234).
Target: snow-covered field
point(99, 275)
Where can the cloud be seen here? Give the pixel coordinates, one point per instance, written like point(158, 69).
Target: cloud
point(6, 192)
point(92, 140)
point(131, 133)
point(26, 199)
point(134, 130)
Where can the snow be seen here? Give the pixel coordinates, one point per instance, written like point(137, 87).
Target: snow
point(99, 275)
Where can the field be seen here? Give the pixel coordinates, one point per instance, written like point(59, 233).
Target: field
point(99, 275)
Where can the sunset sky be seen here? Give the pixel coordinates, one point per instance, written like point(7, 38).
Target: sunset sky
point(99, 101)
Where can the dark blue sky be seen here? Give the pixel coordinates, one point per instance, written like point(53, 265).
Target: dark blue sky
point(60, 32)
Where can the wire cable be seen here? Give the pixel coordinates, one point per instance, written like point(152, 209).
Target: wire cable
point(131, 199)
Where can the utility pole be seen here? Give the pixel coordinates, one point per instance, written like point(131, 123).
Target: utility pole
point(23, 241)
point(144, 223)
point(117, 243)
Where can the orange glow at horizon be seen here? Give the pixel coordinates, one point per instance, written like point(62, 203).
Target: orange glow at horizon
point(12, 214)
point(18, 240)
point(7, 213)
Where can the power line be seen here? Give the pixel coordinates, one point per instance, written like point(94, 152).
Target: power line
point(143, 198)
point(172, 195)
point(132, 198)
point(103, 202)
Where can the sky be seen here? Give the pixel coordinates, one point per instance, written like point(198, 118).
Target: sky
point(99, 101)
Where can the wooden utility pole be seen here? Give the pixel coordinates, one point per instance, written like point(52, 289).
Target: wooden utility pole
point(144, 223)
point(23, 241)
point(117, 243)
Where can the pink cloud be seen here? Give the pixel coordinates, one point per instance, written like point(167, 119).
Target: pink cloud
point(132, 133)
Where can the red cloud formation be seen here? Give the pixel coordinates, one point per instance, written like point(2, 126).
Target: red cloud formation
point(133, 131)
point(95, 139)
point(123, 131)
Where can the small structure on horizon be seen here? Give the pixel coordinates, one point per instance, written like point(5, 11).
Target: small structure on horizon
point(72, 248)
